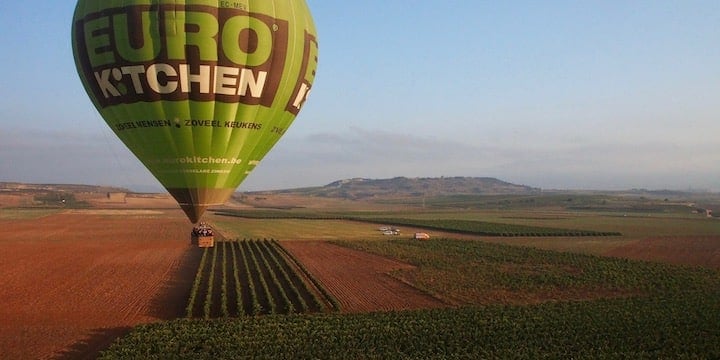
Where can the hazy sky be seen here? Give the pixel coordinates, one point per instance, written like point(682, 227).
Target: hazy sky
point(555, 94)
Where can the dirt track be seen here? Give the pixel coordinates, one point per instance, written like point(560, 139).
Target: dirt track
point(73, 282)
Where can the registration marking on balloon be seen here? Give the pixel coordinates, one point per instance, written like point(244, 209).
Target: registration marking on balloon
point(233, 4)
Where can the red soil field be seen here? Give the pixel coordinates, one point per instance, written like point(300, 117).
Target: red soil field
point(73, 282)
point(359, 280)
point(11, 200)
point(679, 250)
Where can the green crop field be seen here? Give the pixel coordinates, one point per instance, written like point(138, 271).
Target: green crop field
point(327, 221)
point(515, 297)
point(553, 305)
point(252, 277)
point(480, 273)
point(538, 286)
point(537, 275)
point(633, 328)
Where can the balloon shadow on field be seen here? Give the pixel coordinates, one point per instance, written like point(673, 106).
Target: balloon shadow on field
point(91, 346)
point(168, 304)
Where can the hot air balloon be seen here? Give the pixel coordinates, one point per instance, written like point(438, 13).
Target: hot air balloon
point(198, 90)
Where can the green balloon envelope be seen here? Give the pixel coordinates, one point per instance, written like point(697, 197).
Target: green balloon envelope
point(198, 90)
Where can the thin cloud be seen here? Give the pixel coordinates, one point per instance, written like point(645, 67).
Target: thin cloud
point(61, 157)
point(324, 157)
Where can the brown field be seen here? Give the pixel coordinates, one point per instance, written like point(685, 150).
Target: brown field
point(360, 281)
point(678, 250)
point(8, 200)
point(74, 280)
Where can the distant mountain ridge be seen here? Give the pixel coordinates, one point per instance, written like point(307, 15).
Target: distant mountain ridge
point(362, 188)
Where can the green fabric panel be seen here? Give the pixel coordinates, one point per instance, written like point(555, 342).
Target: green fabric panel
point(199, 103)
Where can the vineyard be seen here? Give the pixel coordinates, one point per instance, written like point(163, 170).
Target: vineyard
point(480, 273)
point(485, 228)
point(615, 329)
point(253, 277)
point(134, 287)
point(474, 227)
point(581, 307)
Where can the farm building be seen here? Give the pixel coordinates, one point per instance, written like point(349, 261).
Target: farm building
point(421, 236)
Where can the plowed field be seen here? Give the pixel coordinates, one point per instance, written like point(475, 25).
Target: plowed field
point(72, 282)
point(358, 280)
point(679, 250)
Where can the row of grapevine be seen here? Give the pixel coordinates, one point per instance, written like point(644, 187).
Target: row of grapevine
point(190, 309)
point(251, 277)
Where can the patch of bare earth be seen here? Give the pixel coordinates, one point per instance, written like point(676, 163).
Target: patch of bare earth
point(689, 250)
point(72, 283)
point(358, 280)
point(10, 200)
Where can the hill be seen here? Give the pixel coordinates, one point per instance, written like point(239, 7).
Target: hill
point(44, 188)
point(24, 195)
point(361, 188)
